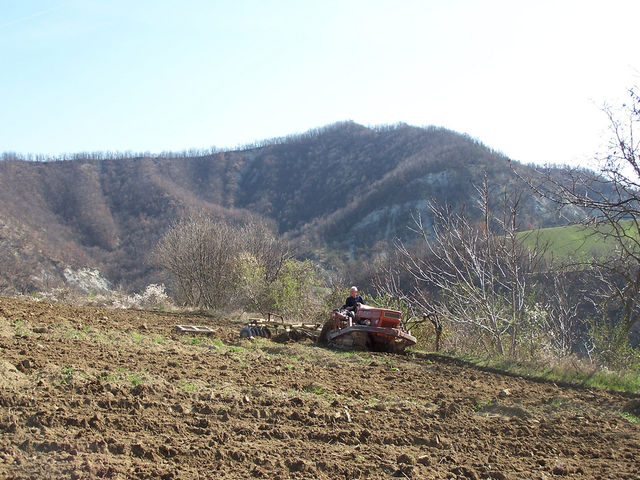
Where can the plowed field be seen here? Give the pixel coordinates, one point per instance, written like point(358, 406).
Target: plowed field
point(96, 393)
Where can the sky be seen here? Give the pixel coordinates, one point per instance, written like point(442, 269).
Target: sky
point(526, 78)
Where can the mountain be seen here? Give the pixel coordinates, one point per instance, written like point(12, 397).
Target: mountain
point(344, 187)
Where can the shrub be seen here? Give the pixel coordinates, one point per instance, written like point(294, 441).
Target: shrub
point(611, 345)
point(211, 262)
point(294, 291)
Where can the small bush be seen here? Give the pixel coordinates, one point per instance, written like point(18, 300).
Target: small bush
point(293, 293)
point(611, 346)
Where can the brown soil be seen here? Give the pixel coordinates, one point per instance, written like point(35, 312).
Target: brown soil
point(91, 393)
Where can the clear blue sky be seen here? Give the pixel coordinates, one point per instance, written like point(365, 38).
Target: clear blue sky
point(527, 78)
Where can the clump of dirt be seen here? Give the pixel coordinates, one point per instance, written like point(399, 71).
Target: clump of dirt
point(94, 393)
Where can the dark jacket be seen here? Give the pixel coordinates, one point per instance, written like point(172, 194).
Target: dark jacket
point(352, 302)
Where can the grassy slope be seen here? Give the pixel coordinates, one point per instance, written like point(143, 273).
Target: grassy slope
point(573, 243)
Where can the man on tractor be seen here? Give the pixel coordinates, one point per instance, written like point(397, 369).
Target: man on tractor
point(364, 327)
point(353, 302)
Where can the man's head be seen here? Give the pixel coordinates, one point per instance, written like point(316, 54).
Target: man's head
point(353, 291)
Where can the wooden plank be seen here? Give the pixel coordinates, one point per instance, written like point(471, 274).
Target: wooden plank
point(194, 329)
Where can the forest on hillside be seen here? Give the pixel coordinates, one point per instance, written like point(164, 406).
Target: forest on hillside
point(344, 188)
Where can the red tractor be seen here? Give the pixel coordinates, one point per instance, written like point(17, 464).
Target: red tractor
point(372, 328)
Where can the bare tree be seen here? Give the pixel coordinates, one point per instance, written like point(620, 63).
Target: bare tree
point(475, 278)
point(392, 281)
point(199, 253)
point(610, 200)
point(270, 250)
point(214, 264)
point(564, 305)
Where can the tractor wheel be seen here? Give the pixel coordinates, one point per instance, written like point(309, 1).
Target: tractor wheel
point(323, 338)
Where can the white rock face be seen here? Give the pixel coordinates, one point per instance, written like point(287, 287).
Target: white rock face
point(87, 279)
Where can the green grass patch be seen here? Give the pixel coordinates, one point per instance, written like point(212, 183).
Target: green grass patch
point(568, 372)
point(481, 404)
point(576, 243)
point(87, 333)
point(67, 374)
point(75, 334)
point(121, 375)
point(187, 386)
point(197, 340)
point(620, 381)
point(555, 402)
point(355, 356)
point(136, 378)
point(137, 337)
point(315, 389)
point(630, 417)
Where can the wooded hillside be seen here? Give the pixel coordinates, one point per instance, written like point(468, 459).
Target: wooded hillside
point(344, 187)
